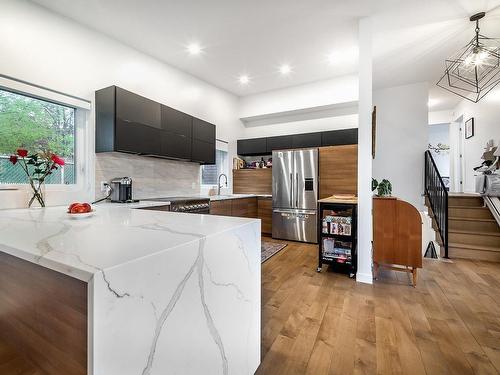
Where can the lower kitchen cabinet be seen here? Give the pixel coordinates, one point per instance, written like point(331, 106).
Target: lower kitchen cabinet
point(244, 207)
point(222, 208)
point(260, 208)
point(265, 213)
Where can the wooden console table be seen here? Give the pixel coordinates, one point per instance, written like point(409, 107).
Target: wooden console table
point(397, 236)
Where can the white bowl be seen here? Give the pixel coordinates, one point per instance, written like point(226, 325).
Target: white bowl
point(82, 215)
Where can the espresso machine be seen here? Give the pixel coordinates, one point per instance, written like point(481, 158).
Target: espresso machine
point(121, 190)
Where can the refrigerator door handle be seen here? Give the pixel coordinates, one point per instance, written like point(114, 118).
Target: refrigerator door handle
point(291, 189)
point(297, 190)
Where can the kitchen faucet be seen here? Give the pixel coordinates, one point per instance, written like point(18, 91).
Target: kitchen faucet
point(218, 182)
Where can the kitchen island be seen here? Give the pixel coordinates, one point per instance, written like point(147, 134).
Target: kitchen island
point(143, 292)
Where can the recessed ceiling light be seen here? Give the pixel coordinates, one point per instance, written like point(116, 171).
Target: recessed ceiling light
point(194, 49)
point(244, 79)
point(285, 69)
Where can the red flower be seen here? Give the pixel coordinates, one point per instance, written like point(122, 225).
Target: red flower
point(22, 152)
point(56, 159)
point(13, 159)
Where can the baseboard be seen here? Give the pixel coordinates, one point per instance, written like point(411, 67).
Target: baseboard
point(366, 278)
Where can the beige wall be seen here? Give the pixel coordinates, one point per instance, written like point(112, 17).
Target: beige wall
point(152, 177)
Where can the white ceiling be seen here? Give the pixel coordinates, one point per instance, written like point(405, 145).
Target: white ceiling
point(411, 37)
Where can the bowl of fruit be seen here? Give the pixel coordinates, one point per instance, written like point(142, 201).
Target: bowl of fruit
point(80, 210)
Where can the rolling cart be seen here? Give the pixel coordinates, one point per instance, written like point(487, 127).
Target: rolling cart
point(337, 234)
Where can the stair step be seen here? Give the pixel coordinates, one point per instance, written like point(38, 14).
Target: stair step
point(469, 212)
point(488, 253)
point(474, 238)
point(460, 200)
point(473, 224)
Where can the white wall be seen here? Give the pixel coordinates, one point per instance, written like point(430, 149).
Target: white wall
point(305, 126)
point(486, 116)
point(402, 135)
point(43, 48)
point(318, 94)
point(440, 133)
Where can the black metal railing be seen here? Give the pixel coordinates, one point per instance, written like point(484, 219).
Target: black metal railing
point(437, 194)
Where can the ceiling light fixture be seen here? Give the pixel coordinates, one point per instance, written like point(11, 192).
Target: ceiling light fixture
point(475, 70)
point(194, 49)
point(244, 79)
point(285, 69)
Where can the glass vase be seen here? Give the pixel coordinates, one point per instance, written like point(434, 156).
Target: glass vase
point(37, 194)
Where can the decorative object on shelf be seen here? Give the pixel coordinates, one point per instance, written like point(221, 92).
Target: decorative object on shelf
point(475, 70)
point(469, 128)
point(439, 149)
point(384, 188)
point(37, 167)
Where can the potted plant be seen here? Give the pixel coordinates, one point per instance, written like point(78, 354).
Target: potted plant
point(384, 188)
point(37, 167)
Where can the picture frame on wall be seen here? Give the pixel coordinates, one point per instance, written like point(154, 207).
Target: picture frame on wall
point(469, 128)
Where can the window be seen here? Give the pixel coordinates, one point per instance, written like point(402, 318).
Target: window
point(36, 125)
point(210, 173)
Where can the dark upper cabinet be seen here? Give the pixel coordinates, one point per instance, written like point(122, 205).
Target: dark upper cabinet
point(131, 123)
point(136, 138)
point(279, 143)
point(339, 137)
point(203, 152)
point(306, 140)
point(175, 146)
point(136, 109)
point(176, 133)
point(203, 131)
point(262, 146)
point(175, 121)
point(256, 146)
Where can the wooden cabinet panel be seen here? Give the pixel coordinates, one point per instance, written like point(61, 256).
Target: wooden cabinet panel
point(338, 170)
point(244, 207)
point(265, 214)
point(222, 208)
point(203, 131)
point(43, 316)
point(252, 181)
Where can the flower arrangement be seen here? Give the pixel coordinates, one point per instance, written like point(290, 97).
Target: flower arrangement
point(42, 164)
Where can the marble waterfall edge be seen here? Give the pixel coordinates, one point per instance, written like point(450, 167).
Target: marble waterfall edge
point(192, 310)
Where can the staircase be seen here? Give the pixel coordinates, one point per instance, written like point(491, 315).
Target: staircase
point(473, 232)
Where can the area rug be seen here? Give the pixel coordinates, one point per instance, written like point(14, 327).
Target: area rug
point(270, 248)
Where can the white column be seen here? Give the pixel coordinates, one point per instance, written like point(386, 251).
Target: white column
point(364, 273)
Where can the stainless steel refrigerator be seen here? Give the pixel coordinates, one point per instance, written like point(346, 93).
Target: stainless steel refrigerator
point(295, 195)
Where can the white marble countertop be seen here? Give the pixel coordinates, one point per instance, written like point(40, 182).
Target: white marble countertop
point(114, 235)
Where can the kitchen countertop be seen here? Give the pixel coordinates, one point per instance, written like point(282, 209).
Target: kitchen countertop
point(339, 199)
point(115, 235)
point(163, 287)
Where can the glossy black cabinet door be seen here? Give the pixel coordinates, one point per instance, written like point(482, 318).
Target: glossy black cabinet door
point(203, 131)
point(279, 143)
point(175, 121)
point(255, 146)
point(137, 109)
point(175, 146)
point(306, 140)
point(203, 152)
point(136, 138)
point(339, 137)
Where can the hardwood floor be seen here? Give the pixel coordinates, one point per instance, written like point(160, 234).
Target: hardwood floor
point(326, 323)
point(13, 363)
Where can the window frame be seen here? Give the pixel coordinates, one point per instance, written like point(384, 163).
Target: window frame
point(82, 107)
point(219, 146)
